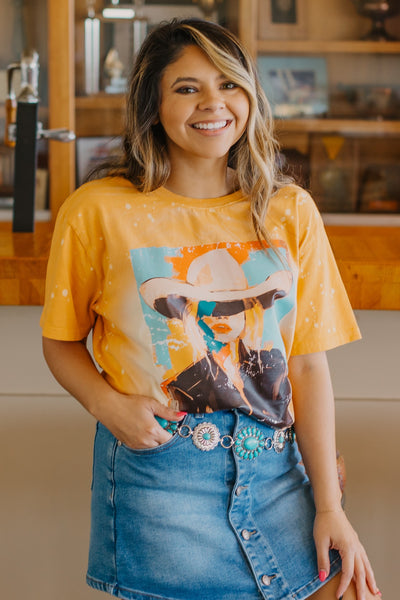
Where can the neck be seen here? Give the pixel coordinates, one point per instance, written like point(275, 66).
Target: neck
point(205, 179)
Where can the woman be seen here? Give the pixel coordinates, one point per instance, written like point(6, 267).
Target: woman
point(199, 489)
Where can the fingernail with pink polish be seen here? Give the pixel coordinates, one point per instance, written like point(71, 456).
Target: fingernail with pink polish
point(322, 575)
point(181, 414)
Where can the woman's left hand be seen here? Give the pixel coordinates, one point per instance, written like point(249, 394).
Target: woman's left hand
point(332, 530)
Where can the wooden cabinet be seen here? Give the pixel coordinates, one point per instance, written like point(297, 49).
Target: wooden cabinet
point(364, 136)
point(331, 30)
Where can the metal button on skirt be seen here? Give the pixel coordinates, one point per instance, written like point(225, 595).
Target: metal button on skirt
point(180, 523)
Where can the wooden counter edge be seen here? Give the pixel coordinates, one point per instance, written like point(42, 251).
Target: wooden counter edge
point(372, 278)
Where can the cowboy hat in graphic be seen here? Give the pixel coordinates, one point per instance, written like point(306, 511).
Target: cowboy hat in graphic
point(217, 278)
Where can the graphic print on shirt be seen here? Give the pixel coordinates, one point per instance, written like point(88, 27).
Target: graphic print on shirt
point(213, 313)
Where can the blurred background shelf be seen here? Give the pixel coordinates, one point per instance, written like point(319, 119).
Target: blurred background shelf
point(326, 47)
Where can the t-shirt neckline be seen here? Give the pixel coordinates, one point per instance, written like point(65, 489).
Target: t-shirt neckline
point(199, 202)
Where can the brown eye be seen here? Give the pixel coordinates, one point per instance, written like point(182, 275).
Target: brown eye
point(186, 90)
point(229, 85)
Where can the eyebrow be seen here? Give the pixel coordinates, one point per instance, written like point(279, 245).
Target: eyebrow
point(192, 79)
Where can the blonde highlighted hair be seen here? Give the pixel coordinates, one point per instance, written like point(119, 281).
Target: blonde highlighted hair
point(145, 159)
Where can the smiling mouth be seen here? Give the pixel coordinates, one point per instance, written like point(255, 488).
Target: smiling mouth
point(211, 126)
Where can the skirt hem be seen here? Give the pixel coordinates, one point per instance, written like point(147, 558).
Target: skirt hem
point(314, 585)
point(127, 594)
point(119, 592)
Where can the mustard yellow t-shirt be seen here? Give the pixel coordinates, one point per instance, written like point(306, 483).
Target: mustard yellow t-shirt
point(185, 304)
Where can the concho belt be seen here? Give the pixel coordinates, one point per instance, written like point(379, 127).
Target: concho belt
point(248, 443)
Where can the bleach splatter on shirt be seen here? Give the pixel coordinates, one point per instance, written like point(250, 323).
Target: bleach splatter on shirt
point(185, 304)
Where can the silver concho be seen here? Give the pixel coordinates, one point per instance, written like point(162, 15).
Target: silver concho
point(279, 440)
point(206, 436)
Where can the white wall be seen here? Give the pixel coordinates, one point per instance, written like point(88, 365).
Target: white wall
point(367, 369)
point(45, 458)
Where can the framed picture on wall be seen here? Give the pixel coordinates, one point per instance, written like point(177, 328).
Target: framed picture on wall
point(296, 86)
point(281, 19)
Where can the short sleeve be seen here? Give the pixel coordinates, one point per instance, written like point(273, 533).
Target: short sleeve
point(324, 318)
point(71, 287)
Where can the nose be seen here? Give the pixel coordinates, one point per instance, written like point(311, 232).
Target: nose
point(211, 100)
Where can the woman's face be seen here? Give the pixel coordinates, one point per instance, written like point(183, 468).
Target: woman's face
point(202, 112)
point(223, 329)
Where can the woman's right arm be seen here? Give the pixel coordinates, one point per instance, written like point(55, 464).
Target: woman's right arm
point(130, 418)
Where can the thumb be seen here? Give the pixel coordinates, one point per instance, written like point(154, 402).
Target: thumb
point(323, 560)
point(322, 544)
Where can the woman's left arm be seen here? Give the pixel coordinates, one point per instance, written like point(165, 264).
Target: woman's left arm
point(315, 432)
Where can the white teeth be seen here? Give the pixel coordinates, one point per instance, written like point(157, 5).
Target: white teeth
point(217, 125)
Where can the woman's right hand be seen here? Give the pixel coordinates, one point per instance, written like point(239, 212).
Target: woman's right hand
point(131, 419)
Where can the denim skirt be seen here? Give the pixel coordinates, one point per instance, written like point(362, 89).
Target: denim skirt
point(179, 523)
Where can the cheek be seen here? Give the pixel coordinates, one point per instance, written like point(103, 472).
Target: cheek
point(169, 114)
point(237, 323)
point(243, 103)
point(242, 112)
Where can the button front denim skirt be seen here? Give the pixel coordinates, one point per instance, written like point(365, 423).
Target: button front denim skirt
point(179, 523)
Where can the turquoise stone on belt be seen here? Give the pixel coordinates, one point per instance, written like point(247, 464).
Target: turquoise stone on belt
point(163, 422)
point(249, 443)
point(170, 426)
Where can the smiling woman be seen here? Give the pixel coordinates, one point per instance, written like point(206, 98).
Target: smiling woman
point(212, 293)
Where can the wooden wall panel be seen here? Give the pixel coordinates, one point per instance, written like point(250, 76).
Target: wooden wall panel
point(61, 99)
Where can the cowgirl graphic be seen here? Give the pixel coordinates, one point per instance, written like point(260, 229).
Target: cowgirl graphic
point(229, 369)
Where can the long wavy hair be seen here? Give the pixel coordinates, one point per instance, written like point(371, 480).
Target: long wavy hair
point(144, 160)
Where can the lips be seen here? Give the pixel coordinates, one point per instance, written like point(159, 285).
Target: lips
point(210, 125)
point(221, 328)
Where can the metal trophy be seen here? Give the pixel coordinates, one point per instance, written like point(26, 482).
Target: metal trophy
point(378, 11)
